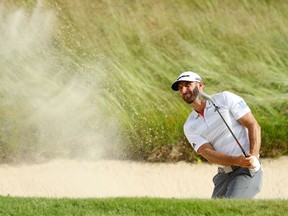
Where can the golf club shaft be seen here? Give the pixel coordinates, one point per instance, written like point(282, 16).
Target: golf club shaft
point(217, 109)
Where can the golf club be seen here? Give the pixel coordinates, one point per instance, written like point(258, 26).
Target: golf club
point(205, 96)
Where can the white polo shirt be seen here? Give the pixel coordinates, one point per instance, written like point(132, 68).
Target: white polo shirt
point(211, 128)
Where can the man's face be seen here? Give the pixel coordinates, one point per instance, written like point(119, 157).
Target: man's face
point(188, 90)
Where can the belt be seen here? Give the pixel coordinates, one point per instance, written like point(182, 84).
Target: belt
point(226, 169)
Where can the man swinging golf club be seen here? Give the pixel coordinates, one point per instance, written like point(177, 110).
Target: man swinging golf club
point(223, 130)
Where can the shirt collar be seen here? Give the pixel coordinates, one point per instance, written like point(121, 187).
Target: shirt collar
point(196, 114)
point(208, 104)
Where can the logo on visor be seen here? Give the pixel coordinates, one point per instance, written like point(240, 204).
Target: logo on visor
point(183, 76)
point(193, 145)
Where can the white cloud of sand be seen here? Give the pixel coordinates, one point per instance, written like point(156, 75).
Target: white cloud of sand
point(52, 105)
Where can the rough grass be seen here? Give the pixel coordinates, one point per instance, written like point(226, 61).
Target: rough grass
point(139, 48)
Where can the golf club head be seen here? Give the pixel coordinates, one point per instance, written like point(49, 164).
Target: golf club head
point(204, 96)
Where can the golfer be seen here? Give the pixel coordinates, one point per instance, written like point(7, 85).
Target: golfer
point(238, 176)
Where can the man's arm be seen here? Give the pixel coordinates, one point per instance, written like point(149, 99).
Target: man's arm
point(254, 132)
point(208, 152)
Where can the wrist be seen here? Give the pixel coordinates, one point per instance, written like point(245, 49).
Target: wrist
point(257, 155)
point(237, 161)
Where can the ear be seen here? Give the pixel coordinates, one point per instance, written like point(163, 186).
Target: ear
point(201, 85)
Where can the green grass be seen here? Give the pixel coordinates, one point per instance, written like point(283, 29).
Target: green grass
point(125, 55)
point(140, 206)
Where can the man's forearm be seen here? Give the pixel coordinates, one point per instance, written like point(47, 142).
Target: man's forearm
point(254, 132)
point(254, 139)
point(219, 158)
point(226, 160)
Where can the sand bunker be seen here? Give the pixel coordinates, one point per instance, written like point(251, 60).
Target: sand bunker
point(70, 178)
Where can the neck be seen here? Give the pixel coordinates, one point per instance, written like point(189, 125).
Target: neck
point(199, 105)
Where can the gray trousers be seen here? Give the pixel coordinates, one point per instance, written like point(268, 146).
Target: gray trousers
point(240, 183)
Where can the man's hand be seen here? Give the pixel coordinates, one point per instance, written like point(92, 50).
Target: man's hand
point(250, 162)
point(247, 162)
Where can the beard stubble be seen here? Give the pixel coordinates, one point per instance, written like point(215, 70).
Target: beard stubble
point(189, 97)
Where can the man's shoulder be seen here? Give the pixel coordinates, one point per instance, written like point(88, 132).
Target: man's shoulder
point(189, 121)
point(224, 96)
point(192, 116)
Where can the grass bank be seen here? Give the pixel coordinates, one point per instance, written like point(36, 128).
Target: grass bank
point(125, 55)
point(140, 206)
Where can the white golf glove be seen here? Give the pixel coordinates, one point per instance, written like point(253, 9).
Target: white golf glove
point(256, 164)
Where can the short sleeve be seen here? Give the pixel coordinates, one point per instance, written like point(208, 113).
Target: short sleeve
point(236, 105)
point(194, 139)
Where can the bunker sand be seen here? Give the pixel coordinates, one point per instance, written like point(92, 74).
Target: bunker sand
point(108, 178)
